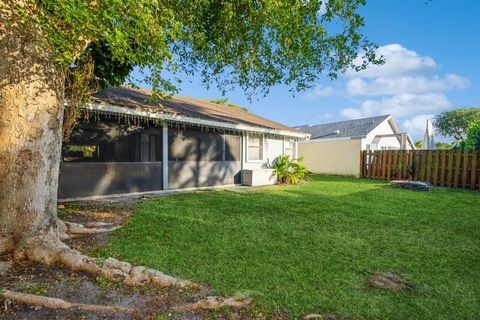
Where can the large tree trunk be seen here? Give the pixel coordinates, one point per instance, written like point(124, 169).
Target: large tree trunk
point(31, 101)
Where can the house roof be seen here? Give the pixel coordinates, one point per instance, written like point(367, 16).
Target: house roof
point(185, 108)
point(343, 129)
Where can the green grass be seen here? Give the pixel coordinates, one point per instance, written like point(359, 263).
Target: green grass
point(309, 248)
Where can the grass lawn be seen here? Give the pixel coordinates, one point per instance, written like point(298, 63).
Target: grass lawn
point(310, 248)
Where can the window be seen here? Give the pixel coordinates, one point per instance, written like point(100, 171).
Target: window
point(367, 147)
point(289, 148)
point(255, 148)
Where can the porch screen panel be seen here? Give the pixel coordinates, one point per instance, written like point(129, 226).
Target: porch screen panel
point(194, 145)
point(110, 141)
point(233, 150)
point(103, 142)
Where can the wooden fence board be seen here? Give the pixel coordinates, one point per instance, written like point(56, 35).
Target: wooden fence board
point(384, 164)
point(370, 164)
point(439, 167)
point(410, 164)
point(400, 165)
point(435, 156)
point(416, 165)
point(422, 165)
point(379, 166)
point(362, 163)
point(443, 159)
point(465, 168)
point(388, 169)
point(428, 167)
point(394, 165)
point(405, 165)
point(450, 168)
point(456, 174)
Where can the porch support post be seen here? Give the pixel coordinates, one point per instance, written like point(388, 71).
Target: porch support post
point(244, 149)
point(165, 157)
point(295, 145)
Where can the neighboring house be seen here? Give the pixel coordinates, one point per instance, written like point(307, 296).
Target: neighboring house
point(125, 143)
point(334, 148)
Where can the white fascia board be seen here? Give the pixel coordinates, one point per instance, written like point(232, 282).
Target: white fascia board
point(332, 139)
point(410, 141)
point(110, 108)
point(393, 124)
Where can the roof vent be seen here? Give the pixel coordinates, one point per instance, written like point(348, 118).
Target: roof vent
point(336, 131)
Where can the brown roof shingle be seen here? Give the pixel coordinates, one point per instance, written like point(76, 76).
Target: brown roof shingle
point(184, 106)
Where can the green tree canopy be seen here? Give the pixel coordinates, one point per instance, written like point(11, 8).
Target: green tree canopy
point(455, 123)
point(473, 136)
point(443, 146)
point(253, 44)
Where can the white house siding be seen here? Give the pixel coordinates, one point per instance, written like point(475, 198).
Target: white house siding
point(335, 156)
point(381, 129)
point(273, 147)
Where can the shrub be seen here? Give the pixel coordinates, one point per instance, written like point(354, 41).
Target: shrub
point(289, 171)
point(473, 136)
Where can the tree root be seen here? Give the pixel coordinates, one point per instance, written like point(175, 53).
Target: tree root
point(71, 228)
point(55, 303)
point(48, 249)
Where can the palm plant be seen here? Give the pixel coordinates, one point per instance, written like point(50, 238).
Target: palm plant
point(289, 171)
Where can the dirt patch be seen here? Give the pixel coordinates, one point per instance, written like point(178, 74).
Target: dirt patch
point(389, 281)
point(149, 302)
point(90, 212)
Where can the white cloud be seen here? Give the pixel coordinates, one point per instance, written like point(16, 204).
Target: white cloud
point(326, 116)
point(351, 113)
point(416, 125)
point(403, 105)
point(408, 86)
point(399, 61)
point(320, 91)
point(405, 84)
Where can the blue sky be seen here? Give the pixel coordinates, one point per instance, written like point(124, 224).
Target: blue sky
point(432, 49)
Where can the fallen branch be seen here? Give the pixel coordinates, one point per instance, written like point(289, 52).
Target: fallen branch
point(55, 303)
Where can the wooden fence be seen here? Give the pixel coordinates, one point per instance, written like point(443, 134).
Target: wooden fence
point(448, 168)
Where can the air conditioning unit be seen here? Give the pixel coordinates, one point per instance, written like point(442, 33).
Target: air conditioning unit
point(258, 177)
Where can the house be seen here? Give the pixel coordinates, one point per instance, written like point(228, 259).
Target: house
point(125, 143)
point(334, 148)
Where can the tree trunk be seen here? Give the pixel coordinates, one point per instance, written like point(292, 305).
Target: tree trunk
point(31, 104)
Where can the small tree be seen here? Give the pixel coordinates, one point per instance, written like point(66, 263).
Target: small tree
point(472, 141)
point(455, 123)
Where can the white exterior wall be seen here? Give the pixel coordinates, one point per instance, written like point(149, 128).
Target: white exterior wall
point(272, 148)
point(382, 128)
